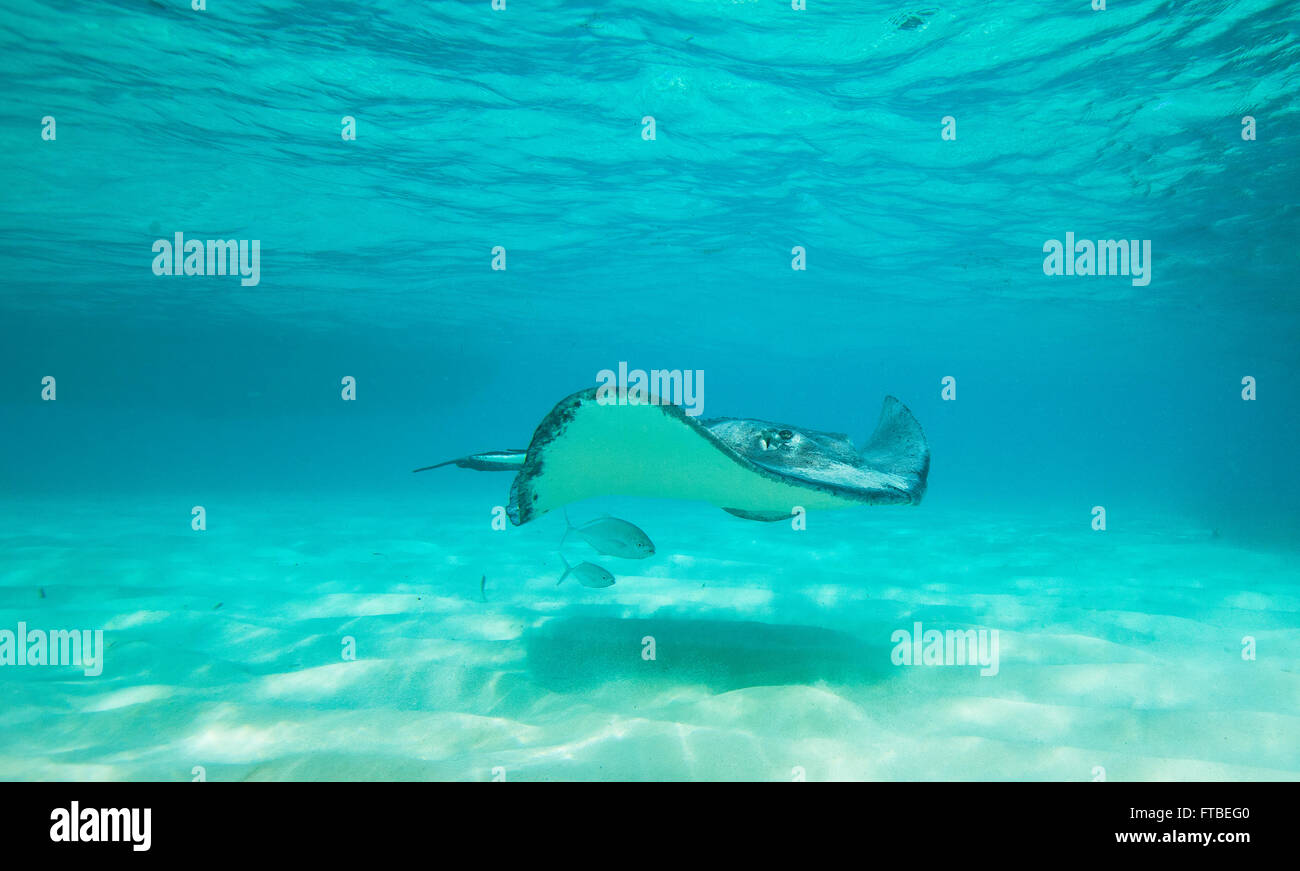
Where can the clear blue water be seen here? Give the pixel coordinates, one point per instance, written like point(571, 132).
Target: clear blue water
point(774, 128)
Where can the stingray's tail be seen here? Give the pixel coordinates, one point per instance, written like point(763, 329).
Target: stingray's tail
point(898, 446)
point(488, 461)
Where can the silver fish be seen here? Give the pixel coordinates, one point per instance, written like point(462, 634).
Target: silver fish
point(588, 574)
point(612, 537)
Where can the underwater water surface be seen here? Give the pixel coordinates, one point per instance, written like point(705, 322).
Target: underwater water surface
point(464, 215)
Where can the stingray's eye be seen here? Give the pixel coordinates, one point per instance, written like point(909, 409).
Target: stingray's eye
point(786, 435)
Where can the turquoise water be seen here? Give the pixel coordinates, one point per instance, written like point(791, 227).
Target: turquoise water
point(1121, 650)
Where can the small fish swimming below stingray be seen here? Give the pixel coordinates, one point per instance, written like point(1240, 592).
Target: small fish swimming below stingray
point(612, 537)
point(753, 469)
point(588, 574)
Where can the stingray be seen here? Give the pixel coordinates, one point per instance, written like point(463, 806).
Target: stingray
point(753, 469)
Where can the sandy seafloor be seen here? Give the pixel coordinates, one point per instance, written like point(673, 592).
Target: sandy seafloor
point(1119, 649)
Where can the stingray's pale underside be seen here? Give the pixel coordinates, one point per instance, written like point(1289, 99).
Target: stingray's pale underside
point(752, 468)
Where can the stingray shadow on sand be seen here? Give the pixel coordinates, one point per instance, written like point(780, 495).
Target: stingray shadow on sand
point(576, 653)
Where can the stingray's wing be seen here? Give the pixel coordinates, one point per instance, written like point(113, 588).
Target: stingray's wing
point(584, 448)
point(898, 447)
